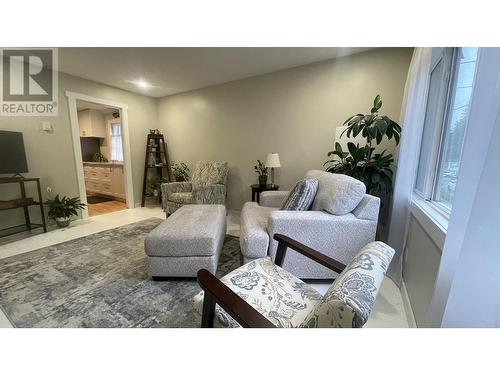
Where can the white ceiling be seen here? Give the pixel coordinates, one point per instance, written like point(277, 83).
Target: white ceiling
point(82, 105)
point(174, 70)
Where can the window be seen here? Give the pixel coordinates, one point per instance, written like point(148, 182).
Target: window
point(116, 142)
point(448, 102)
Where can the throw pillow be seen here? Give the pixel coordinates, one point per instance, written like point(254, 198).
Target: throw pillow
point(301, 196)
point(337, 194)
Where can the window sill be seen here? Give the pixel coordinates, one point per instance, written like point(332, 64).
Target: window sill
point(431, 219)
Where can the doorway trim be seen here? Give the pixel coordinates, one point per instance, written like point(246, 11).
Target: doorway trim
point(75, 135)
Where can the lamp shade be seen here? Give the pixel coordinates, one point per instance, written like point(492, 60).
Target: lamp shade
point(273, 160)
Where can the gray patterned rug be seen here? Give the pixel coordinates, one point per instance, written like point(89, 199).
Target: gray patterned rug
point(99, 280)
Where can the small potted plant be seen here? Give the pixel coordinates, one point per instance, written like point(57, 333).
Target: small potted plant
point(261, 171)
point(61, 209)
point(180, 171)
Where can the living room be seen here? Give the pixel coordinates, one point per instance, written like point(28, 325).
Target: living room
point(292, 187)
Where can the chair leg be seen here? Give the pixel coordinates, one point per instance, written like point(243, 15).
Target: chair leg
point(208, 314)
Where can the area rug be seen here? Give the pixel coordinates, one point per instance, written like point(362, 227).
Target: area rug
point(99, 280)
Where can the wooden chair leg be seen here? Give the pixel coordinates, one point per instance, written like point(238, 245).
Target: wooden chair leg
point(208, 314)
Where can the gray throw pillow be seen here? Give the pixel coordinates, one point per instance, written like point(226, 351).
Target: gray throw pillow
point(301, 196)
point(337, 194)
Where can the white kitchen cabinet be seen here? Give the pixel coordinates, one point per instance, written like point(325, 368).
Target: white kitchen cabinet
point(91, 123)
point(104, 179)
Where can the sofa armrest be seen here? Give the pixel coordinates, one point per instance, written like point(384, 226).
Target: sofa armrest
point(339, 237)
point(175, 187)
point(272, 198)
point(210, 194)
point(368, 208)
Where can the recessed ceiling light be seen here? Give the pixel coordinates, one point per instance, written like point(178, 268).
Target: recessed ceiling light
point(143, 84)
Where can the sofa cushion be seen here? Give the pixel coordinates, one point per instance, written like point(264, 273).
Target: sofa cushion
point(182, 198)
point(349, 301)
point(278, 295)
point(337, 194)
point(254, 238)
point(301, 196)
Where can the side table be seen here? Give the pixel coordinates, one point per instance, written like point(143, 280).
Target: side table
point(257, 189)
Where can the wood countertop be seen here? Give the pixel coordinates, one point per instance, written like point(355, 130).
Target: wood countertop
point(102, 164)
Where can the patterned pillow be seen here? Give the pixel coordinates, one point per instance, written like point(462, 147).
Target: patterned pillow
point(349, 301)
point(301, 196)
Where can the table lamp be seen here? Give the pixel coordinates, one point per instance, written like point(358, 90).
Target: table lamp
point(273, 161)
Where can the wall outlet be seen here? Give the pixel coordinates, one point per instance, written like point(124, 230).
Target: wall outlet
point(47, 127)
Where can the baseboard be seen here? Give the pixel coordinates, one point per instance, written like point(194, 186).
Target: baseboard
point(410, 317)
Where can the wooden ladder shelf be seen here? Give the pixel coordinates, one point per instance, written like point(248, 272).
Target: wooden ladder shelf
point(156, 165)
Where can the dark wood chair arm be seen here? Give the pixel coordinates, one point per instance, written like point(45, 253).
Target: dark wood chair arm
point(217, 292)
point(285, 242)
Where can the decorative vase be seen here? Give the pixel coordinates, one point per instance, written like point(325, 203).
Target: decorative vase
point(263, 180)
point(62, 222)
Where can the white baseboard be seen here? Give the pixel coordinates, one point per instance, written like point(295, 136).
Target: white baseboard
point(410, 317)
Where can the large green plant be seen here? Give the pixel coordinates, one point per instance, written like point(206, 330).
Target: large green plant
point(63, 207)
point(361, 162)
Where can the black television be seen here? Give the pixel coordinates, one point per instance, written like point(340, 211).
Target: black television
point(12, 155)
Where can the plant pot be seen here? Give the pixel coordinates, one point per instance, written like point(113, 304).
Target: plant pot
point(263, 180)
point(62, 222)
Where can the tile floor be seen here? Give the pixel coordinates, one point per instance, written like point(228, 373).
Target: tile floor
point(388, 312)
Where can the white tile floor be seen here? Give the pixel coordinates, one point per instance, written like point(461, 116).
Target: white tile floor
point(388, 311)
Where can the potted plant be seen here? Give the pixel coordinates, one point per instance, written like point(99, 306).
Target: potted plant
point(361, 162)
point(180, 171)
point(152, 189)
point(61, 209)
point(261, 171)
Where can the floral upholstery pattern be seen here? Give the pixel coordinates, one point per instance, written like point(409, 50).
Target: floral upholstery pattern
point(349, 301)
point(281, 297)
point(183, 198)
point(209, 173)
point(207, 186)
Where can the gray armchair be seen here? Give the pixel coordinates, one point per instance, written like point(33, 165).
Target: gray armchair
point(207, 186)
point(338, 235)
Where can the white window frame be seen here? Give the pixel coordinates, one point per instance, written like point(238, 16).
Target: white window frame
point(426, 197)
point(109, 136)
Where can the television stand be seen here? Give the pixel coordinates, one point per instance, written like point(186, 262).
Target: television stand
point(24, 202)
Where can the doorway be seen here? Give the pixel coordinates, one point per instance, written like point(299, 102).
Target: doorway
point(102, 156)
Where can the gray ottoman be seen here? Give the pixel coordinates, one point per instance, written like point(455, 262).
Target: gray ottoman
point(190, 239)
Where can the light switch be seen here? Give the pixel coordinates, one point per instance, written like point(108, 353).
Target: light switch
point(47, 127)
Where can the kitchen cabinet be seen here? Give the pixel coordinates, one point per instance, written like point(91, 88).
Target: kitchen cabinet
point(91, 123)
point(104, 179)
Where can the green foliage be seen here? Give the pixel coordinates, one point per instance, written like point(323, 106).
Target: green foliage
point(100, 158)
point(360, 162)
point(151, 187)
point(180, 171)
point(260, 168)
point(63, 207)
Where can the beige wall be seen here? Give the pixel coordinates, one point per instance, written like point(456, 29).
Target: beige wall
point(292, 112)
point(50, 155)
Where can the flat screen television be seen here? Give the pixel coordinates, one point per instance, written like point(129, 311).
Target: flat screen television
point(12, 155)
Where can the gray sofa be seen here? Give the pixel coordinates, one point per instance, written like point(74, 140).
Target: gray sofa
point(338, 235)
point(207, 186)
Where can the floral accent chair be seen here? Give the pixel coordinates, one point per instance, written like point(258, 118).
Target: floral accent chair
point(261, 294)
point(207, 186)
